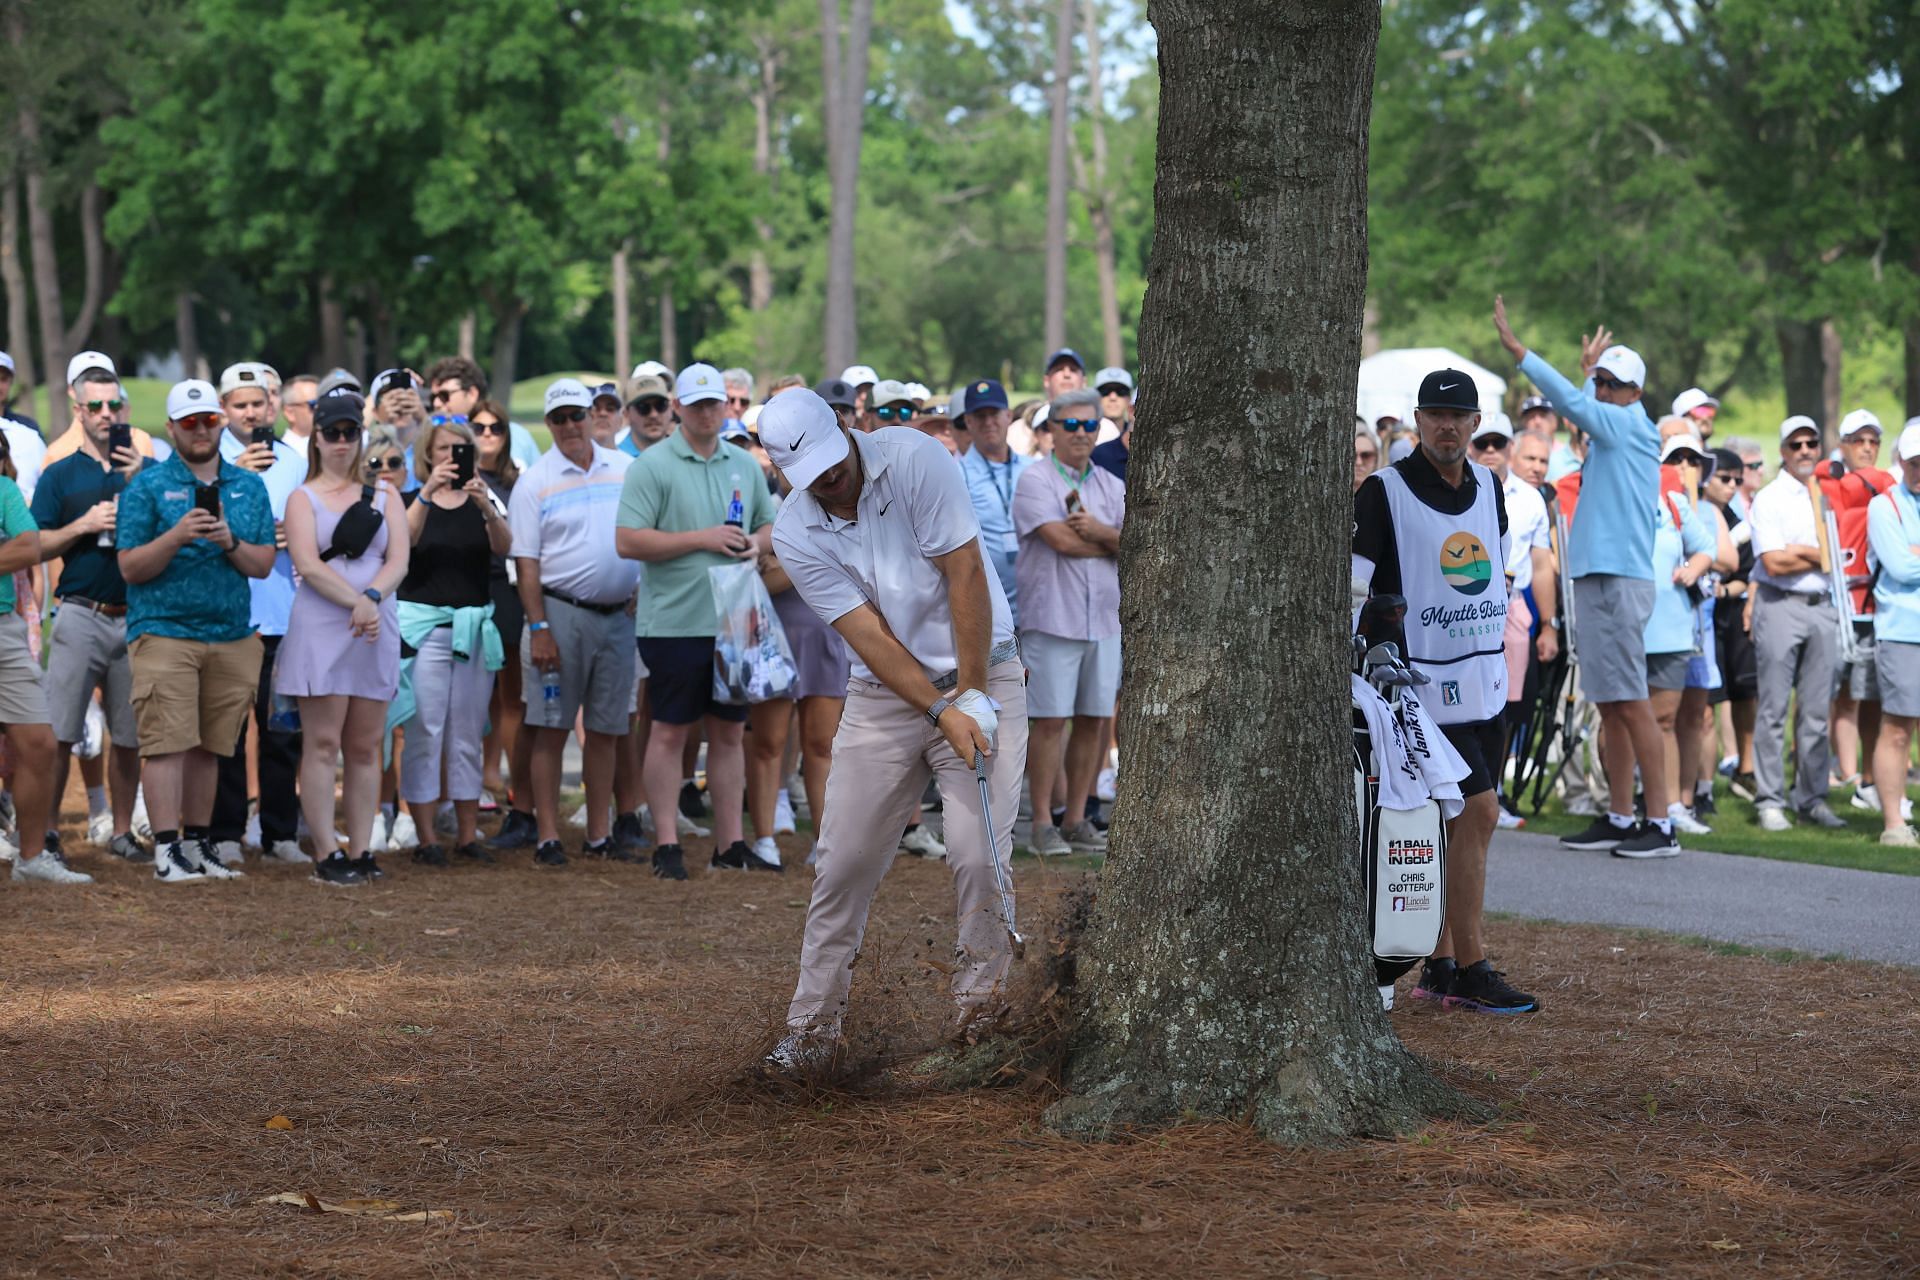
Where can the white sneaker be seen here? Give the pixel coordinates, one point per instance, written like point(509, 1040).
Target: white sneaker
point(767, 851)
point(688, 827)
point(49, 867)
point(1866, 797)
point(1685, 823)
point(174, 865)
point(1902, 837)
point(921, 842)
point(1582, 806)
point(1087, 838)
point(7, 850)
point(286, 851)
point(142, 825)
point(579, 818)
point(377, 841)
point(1386, 996)
point(1509, 821)
point(1105, 785)
point(646, 822)
point(445, 821)
point(803, 1051)
point(401, 834)
point(212, 859)
point(783, 813)
point(1047, 842)
point(251, 836)
point(100, 828)
point(230, 854)
point(1774, 818)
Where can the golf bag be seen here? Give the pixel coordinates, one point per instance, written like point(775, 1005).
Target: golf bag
point(1405, 787)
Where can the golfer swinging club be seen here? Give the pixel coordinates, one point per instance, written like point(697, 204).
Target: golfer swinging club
point(882, 542)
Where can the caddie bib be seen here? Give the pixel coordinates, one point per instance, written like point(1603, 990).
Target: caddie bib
point(1451, 572)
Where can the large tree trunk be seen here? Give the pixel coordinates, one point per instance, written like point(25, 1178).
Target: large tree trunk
point(1803, 369)
point(333, 328)
point(13, 277)
point(759, 271)
point(669, 315)
point(46, 263)
point(469, 332)
point(1913, 369)
point(844, 80)
point(186, 335)
point(1054, 314)
point(94, 259)
point(1225, 970)
point(622, 313)
point(506, 348)
point(1100, 196)
point(1830, 351)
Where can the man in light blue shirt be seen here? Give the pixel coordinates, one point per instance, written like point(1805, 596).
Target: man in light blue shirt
point(281, 468)
point(1893, 539)
point(1610, 559)
point(993, 470)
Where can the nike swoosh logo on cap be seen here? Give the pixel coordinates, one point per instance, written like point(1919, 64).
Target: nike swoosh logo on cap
point(1448, 386)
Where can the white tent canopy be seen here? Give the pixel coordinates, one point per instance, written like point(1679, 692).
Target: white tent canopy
point(1390, 381)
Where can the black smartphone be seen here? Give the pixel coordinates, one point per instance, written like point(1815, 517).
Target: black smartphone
point(119, 436)
point(463, 462)
point(263, 435)
point(207, 498)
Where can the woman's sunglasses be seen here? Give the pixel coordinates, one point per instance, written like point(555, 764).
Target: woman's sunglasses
point(1075, 424)
point(335, 434)
point(567, 415)
point(394, 463)
point(489, 428)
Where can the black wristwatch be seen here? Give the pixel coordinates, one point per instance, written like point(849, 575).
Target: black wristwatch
point(373, 595)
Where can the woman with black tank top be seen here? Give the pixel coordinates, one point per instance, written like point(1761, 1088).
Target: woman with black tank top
point(451, 645)
point(507, 711)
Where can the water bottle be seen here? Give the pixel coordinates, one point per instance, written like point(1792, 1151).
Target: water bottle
point(737, 512)
point(285, 717)
point(550, 688)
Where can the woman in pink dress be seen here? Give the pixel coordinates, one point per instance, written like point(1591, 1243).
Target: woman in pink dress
point(341, 655)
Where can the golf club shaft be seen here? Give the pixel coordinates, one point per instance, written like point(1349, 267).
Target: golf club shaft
point(1002, 879)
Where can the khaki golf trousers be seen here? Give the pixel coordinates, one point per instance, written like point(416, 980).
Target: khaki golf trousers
point(881, 758)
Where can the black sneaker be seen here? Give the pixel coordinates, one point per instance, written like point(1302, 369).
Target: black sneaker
point(127, 846)
point(607, 848)
point(1744, 786)
point(430, 855)
point(1480, 988)
point(1703, 805)
point(367, 867)
point(669, 863)
point(737, 857)
point(1436, 979)
point(517, 831)
point(627, 835)
point(1648, 841)
point(693, 802)
point(338, 870)
point(550, 854)
point(1600, 834)
point(473, 852)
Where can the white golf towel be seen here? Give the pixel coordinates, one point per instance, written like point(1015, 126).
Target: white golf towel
point(1417, 763)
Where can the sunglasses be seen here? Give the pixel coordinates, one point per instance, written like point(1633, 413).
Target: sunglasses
point(1756, 466)
point(448, 420)
point(895, 412)
point(567, 415)
point(648, 405)
point(1114, 389)
point(394, 463)
point(197, 422)
point(1075, 424)
point(489, 428)
point(1801, 446)
point(95, 406)
point(1607, 382)
point(740, 402)
point(1364, 455)
point(444, 395)
point(335, 434)
point(1490, 442)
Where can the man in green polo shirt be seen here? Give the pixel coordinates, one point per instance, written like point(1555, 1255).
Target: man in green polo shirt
point(690, 503)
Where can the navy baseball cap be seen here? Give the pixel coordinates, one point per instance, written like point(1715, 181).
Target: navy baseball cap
point(1448, 389)
point(1066, 353)
point(838, 393)
point(609, 390)
point(986, 394)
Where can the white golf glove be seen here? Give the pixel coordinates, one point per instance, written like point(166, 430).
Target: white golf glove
point(985, 713)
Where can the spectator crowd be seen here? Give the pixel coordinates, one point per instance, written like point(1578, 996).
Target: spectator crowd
point(309, 621)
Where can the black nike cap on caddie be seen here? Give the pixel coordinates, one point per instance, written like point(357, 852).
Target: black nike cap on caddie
point(1448, 389)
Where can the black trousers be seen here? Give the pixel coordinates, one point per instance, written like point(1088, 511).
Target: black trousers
point(279, 770)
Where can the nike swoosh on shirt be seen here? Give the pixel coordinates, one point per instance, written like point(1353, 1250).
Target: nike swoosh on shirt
point(883, 510)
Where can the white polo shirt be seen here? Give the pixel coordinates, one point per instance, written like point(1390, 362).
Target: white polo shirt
point(913, 506)
point(1782, 516)
point(29, 454)
point(1527, 528)
point(563, 517)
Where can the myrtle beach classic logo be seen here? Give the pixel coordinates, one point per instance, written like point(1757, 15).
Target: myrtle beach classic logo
point(1464, 564)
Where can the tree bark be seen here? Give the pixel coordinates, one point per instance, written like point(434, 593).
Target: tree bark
point(1830, 352)
point(1913, 369)
point(669, 316)
point(1100, 196)
point(186, 334)
point(1054, 315)
point(1803, 370)
point(506, 348)
point(622, 312)
point(1225, 970)
point(844, 80)
point(13, 277)
point(46, 263)
point(94, 259)
point(759, 271)
point(469, 330)
point(333, 326)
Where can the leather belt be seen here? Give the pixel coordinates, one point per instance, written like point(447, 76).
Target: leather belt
point(588, 605)
point(93, 606)
point(1005, 651)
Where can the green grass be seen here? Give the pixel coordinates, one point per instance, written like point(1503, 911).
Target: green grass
point(1736, 830)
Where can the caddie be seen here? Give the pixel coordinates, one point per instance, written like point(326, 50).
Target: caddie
point(881, 540)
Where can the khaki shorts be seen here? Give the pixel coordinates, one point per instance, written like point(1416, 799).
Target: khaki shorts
point(23, 693)
point(188, 693)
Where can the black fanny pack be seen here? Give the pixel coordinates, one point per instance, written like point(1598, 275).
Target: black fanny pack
point(356, 529)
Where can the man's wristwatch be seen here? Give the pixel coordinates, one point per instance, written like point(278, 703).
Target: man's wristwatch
point(373, 595)
point(939, 707)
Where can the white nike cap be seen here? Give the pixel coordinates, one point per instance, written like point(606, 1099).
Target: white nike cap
point(1909, 446)
point(1860, 420)
point(1798, 422)
point(1690, 399)
point(803, 437)
point(859, 375)
point(1625, 364)
point(90, 360)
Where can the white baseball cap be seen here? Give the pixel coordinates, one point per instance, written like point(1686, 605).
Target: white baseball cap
point(1625, 364)
point(699, 383)
point(567, 393)
point(889, 391)
point(1113, 375)
point(1798, 422)
point(90, 360)
point(803, 437)
point(1859, 420)
point(248, 373)
point(1690, 399)
point(1909, 444)
point(6, 362)
point(650, 369)
point(859, 375)
point(919, 392)
point(191, 397)
point(1495, 424)
point(1686, 442)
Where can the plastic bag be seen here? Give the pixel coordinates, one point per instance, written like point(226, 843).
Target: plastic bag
point(751, 659)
